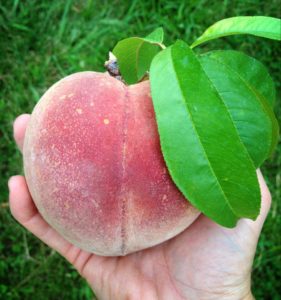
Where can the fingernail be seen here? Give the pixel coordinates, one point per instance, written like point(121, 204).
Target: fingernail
point(11, 182)
point(15, 120)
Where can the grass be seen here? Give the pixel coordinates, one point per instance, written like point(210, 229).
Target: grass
point(41, 42)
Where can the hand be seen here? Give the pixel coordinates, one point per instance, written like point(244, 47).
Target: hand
point(206, 261)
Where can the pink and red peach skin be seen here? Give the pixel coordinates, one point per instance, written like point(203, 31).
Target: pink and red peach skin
point(95, 170)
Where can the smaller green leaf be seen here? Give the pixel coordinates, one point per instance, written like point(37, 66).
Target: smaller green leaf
point(266, 27)
point(157, 36)
point(248, 92)
point(250, 70)
point(135, 54)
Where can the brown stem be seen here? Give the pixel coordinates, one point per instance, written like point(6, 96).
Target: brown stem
point(112, 68)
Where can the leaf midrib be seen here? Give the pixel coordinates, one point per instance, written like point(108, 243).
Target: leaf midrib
point(198, 137)
point(137, 58)
point(230, 117)
point(215, 36)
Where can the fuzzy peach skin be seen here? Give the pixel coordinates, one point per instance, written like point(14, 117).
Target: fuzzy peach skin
point(95, 170)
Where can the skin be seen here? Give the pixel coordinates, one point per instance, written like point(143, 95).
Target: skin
point(206, 261)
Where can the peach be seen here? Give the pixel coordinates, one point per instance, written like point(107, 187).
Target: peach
point(95, 170)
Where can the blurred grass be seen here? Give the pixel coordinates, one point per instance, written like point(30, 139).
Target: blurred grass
point(41, 42)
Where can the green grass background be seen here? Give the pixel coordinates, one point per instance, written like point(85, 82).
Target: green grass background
point(43, 41)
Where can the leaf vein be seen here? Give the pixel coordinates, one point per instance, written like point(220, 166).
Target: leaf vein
point(199, 139)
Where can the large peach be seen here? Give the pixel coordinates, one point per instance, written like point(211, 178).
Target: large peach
point(95, 170)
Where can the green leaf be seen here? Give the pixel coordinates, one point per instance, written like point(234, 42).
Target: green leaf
point(157, 36)
point(248, 92)
point(266, 27)
point(250, 69)
point(201, 147)
point(135, 54)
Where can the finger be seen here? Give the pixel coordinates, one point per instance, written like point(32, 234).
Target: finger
point(265, 198)
point(265, 204)
point(20, 124)
point(26, 213)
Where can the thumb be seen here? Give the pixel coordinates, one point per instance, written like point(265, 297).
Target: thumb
point(265, 205)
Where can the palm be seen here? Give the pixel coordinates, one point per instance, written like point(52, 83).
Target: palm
point(205, 261)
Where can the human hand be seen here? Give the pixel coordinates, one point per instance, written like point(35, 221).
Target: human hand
point(206, 261)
